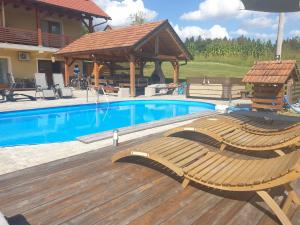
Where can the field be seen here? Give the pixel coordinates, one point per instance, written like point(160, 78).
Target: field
point(202, 68)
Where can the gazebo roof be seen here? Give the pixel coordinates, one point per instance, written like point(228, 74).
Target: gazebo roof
point(137, 39)
point(82, 6)
point(272, 72)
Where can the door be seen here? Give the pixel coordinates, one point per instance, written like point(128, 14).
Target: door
point(47, 67)
point(3, 70)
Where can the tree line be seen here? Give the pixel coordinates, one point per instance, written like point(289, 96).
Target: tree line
point(239, 47)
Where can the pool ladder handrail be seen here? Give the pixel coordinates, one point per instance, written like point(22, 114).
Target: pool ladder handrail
point(97, 93)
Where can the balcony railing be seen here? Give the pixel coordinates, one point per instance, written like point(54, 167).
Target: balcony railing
point(28, 37)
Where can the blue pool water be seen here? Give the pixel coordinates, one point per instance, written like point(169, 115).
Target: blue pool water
point(66, 123)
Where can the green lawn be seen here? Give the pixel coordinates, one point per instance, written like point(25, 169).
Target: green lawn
point(200, 69)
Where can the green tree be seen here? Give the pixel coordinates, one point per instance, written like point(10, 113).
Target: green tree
point(138, 18)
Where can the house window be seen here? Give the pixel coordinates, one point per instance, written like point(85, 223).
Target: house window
point(3, 70)
point(51, 27)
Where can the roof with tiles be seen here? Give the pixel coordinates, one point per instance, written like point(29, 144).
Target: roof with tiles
point(83, 6)
point(272, 72)
point(115, 38)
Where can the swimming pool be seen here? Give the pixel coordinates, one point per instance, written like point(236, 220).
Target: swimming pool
point(60, 124)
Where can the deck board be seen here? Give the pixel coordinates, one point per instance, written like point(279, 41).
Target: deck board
point(89, 189)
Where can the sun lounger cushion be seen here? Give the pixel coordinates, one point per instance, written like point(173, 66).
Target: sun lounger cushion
point(49, 93)
point(65, 92)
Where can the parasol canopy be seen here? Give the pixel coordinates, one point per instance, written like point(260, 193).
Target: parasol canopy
point(272, 5)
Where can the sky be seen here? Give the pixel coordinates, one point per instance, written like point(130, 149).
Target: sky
point(205, 18)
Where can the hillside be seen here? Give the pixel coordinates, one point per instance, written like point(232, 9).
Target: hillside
point(202, 68)
point(228, 57)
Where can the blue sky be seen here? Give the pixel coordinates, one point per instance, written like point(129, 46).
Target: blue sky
point(208, 18)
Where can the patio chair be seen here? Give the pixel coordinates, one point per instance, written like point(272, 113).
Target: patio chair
point(41, 86)
point(59, 85)
point(233, 134)
point(224, 171)
point(9, 91)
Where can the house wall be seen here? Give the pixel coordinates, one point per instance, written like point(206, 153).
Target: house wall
point(26, 19)
point(26, 69)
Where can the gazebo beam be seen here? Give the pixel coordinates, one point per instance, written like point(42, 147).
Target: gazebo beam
point(132, 75)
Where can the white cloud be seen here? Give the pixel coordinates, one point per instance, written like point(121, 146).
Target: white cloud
point(295, 33)
point(293, 15)
point(264, 36)
point(216, 31)
point(261, 22)
point(241, 32)
point(220, 9)
point(120, 11)
point(209, 9)
point(256, 35)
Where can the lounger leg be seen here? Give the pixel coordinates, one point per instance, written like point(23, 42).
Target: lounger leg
point(275, 207)
point(295, 198)
point(185, 182)
point(280, 152)
point(223, 146)
point(287, 204)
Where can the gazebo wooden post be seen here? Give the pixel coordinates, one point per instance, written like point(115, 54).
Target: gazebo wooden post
point(67, 71)
point(141, 68)
point(175, 72)
point(96, 73)
point(132, 75)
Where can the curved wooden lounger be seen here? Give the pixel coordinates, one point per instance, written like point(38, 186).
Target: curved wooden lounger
point(251, 125)
point(229, 134)
point(223, 171)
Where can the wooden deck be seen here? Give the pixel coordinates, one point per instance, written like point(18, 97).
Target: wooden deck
point(89, 189)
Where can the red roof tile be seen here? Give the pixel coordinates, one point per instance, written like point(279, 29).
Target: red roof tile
point(116, 38)
point(271, 72)
point(83, 6)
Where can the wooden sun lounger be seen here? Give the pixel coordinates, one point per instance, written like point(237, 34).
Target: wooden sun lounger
point(197, 162)
point(254, 125)
point(232, 134)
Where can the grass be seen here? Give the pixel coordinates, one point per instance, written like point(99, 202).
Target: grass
point(200, 69)
point(233, 66)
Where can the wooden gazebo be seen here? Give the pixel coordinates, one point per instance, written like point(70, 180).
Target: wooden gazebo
point(272, 80)
point(150, 42)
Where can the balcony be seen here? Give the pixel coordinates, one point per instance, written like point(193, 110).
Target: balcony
point(28, 37)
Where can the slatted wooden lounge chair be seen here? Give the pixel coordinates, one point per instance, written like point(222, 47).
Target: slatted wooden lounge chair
point(231, 134)
point(251, 124)
point(199, 163)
